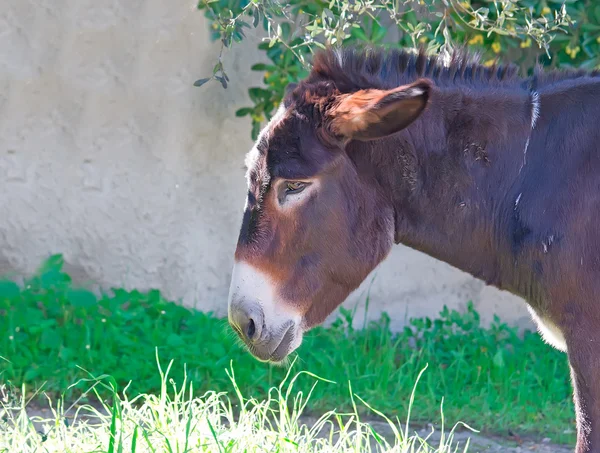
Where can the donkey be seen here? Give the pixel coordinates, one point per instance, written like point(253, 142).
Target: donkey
point(494, 173)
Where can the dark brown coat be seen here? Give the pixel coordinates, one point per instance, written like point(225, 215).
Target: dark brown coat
point(495, 174)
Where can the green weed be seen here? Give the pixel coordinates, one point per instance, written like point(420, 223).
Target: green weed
point(54, 334)
point(173, 420)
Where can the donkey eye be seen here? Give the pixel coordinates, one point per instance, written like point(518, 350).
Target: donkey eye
point(294, 186)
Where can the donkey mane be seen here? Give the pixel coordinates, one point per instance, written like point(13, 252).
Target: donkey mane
point(352, 69)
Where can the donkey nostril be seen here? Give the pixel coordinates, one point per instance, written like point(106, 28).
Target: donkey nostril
point(251, 329)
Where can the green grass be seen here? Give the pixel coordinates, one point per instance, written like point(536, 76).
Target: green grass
point(490, 378)
point(175, 421)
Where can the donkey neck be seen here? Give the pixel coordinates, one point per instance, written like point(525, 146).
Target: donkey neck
point(450, 177)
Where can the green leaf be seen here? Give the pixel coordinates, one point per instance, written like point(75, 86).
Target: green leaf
point(53, 263)
point(200, 82)
point(499, 359)
point(378, 33)
point(359, 34)
point(562, 38)
point(256, 19)
point(9, 290)
point(217, 349)
point(223, 81)
point(244, 111)
point(255, 130)
point(263, 67)
point(258, 94)
point(31, 374)
point(65, 354)
point(50, 339)
point(285, 30)
point(175, 340)
point(590, 27)
point(238, 36)
point(81, 298)
point(54, 278)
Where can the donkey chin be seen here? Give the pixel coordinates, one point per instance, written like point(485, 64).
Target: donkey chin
point(269, 329)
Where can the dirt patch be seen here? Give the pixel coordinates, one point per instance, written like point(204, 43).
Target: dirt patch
point(478, 443)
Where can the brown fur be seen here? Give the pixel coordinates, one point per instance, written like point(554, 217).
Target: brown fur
point(459, 169)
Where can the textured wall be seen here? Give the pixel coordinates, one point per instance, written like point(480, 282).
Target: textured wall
point(110, 156)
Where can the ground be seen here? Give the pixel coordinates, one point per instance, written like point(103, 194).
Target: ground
point(479, 443)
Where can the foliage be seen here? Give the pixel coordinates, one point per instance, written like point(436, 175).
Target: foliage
point(175, 420)
point(491, 378)
point(519, 31)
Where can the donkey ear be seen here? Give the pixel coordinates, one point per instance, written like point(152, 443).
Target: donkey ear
point(372, 114)
point(287, 93)
point(290, 87)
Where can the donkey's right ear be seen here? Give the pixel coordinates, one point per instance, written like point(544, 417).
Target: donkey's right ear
point(372, 113)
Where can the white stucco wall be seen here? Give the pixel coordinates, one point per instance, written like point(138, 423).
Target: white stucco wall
point(110, 156)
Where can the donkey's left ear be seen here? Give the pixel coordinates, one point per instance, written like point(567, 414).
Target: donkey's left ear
point(371, 114)
point(290, 87)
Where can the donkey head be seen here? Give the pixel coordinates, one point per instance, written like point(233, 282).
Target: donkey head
point(315, 225)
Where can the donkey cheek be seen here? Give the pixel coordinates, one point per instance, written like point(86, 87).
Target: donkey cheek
point(302, 286)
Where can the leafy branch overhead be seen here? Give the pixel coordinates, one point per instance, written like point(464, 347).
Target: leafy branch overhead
point(552, 32)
